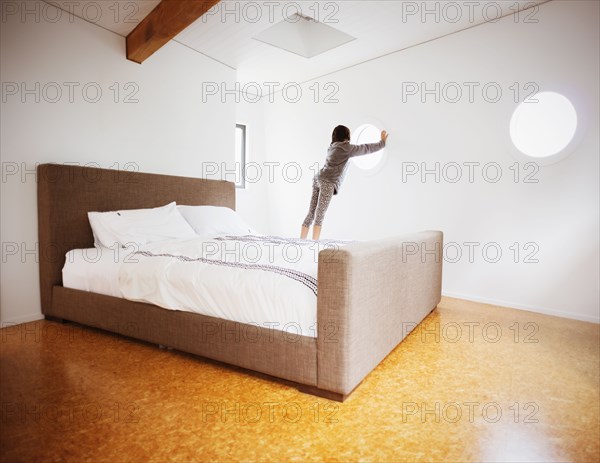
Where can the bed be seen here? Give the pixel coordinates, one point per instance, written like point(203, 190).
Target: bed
point(369, 296)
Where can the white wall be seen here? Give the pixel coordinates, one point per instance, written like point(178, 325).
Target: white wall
point(559, 213)
point(169, 130)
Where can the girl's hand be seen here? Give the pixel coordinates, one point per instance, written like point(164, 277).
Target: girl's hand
point(384, 136)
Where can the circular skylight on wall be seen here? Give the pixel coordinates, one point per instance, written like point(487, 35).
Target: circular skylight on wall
point(543, 125)
point(367, 133)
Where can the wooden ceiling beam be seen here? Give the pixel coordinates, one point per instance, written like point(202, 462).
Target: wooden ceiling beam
point(163, 23)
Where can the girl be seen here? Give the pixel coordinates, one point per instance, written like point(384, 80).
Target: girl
point(329, 179)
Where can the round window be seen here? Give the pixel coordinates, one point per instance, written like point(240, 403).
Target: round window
point(367, 133)
point(543, 125)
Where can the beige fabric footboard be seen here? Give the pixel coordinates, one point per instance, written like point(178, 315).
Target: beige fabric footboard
point(371, 295)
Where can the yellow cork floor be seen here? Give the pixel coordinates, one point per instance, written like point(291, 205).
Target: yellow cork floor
point(474, 382)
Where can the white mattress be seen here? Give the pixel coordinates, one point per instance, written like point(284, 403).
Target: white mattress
point(95, 270)
point(176, 275)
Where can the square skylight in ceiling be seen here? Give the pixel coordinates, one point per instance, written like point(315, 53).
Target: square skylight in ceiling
point(303, 36)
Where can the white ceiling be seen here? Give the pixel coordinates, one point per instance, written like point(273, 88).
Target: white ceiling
point(381, 27)
point(119, 16)
point(378, 26)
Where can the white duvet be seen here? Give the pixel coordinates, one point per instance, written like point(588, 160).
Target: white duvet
point(264, 281)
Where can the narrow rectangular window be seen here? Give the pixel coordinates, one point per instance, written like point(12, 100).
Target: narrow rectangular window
point(240, 154)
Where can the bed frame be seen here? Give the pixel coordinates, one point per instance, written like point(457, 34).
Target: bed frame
point(370, 294)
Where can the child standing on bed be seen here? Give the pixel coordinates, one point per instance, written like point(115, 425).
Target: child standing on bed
point(328, 180)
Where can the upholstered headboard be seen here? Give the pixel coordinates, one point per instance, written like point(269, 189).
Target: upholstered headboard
point(67, 193)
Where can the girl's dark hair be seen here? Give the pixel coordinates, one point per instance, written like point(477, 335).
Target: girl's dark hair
point(340, 133)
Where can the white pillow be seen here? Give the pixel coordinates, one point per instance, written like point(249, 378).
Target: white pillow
point(215, 221)
point(139, 226)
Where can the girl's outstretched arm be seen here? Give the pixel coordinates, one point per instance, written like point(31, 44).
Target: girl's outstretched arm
point(368, 148)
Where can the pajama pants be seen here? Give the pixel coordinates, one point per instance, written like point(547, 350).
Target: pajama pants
point(321, 196)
